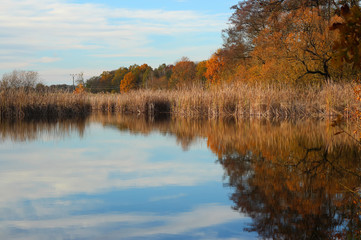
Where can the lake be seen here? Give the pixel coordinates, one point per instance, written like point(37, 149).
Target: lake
point(123, 177)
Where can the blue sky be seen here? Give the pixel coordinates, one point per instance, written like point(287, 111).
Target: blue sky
point(61, 37)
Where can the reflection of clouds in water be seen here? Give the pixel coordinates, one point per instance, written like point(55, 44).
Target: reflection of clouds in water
point(37, 175)
point(34, 172)
point(170, 197)
point(115, 226)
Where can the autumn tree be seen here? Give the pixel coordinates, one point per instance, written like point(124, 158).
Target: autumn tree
point(201, 70)
point(294, 46)
point(215, 66)
point(128, 83)
point(79, 89)
point(160, 77)
point(295, 32)
point(310, 43)
point(348, 48)
point(119, 75)
point(145, 74)
point(93, 84)
point(348, 44)
point(184, 73)
point(105, 83)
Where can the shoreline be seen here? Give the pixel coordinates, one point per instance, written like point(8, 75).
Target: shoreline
point(227, 102)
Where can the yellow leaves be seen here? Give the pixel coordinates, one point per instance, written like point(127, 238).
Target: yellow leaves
point(105, 76)
point(128, 83)
point(79, 89)
point(144, 67)
point(298, 43)
point(201, 70)
point(184, 73)
point(215, 66)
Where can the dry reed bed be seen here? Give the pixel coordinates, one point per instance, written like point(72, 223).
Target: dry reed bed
point(238, 102)
point(21, 104)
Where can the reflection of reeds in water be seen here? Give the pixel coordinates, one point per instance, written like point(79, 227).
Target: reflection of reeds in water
point(185, 131)
point(20, 131)
point(279, 142)
point(223, 135)
point(240, 135)
point(284, 174)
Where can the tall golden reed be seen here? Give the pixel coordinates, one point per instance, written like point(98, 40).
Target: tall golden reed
point(230, 101)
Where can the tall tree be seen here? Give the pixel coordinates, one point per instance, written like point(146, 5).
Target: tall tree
point(300, 43)
point(251, 17)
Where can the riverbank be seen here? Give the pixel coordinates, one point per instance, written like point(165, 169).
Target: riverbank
point(238, 102)
point(28, 105)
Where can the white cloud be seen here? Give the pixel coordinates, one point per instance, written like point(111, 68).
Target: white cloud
point(160, 198)
point(49, 59)
point(41, 174)
point(109, 226)
point(32, 27)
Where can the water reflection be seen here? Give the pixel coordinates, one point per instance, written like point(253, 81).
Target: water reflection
point(296, 180)
point(21, 131)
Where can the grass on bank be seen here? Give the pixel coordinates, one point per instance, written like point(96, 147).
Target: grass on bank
point(25, 104)
point(237, 102)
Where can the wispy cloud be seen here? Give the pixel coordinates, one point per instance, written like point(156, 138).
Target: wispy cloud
point(113, 226)
point(35, 174)
point(30, 28)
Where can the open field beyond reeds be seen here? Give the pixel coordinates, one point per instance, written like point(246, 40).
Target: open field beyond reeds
point(238, 102)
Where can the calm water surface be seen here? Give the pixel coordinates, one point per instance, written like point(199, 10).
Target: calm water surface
point(118, 177)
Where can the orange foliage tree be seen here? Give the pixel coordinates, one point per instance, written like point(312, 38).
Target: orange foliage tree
point(215, 66)
point(128, 83)
point(119, 75)
point(184, 73)
point(79, 89)
point(293, 46)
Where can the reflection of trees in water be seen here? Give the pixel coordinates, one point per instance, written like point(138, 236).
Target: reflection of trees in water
point(296, 180)
point(297, 197)
point(186, 132)
point(32, 130)
point(293, 179)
